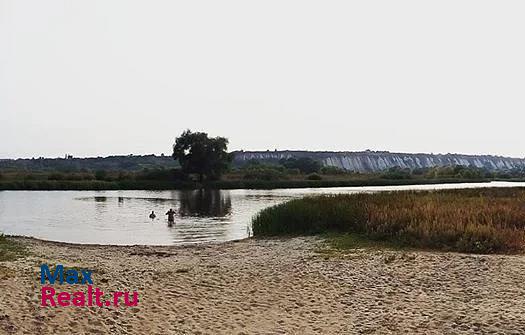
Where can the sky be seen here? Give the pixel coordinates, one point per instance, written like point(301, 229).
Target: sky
point(96, 78)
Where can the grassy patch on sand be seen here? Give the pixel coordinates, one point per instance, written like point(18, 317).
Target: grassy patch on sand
point(346, 241)
point(10, 250)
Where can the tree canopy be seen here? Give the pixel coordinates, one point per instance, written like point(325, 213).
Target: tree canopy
point(304, 164)
point(199, 154)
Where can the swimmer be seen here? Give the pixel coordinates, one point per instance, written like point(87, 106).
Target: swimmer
point(152, 215)
point(171, 216)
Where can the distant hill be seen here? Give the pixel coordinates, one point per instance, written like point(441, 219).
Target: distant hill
point(364, 161)
point(374, 161)
point(121, 163)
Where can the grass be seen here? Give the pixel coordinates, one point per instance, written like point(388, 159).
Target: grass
point(49, 185)
point(336, 244)
point(345, 241)
point(276, 184)
point(220, 184)
point(9, 249)
point(471, 220)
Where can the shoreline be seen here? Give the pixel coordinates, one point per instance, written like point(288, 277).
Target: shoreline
point(45, 185)
point(29, 239)
point(269, 286)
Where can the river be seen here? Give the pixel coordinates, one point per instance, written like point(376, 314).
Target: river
point(122, 217)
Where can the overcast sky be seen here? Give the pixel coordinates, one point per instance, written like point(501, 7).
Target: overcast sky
point(94, 78)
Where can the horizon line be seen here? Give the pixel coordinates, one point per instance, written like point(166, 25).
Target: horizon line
point(267, 150)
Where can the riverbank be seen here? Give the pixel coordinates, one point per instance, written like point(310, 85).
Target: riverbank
point(269, 286)
point(71, 185)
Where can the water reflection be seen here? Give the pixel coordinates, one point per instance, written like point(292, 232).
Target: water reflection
point(205, 203)
point(122, 217)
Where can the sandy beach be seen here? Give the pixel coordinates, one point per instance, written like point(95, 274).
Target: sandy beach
point(270, 287)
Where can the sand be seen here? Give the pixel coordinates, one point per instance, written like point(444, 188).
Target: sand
point(271, 287)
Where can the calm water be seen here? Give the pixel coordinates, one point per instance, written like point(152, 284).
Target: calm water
point(121, 217)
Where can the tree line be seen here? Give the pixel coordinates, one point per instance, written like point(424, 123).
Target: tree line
point(197, 157)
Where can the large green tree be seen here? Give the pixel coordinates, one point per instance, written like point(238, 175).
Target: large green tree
point(202, 155)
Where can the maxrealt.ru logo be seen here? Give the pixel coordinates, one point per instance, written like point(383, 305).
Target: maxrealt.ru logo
point(90, 297)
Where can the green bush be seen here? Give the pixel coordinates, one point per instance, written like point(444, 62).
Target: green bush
point(161, 175)
point(332, 170)
point(304, 164)
point(263, 173)
point(293, 172)
point(314, 176)
point(101, 175)
point(396, 173)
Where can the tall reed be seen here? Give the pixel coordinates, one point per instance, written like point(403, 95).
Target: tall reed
point(471, 220)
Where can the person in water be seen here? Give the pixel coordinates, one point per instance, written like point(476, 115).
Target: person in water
point(152, 215)
point(171, 216)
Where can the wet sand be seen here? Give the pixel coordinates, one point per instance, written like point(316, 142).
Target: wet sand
point(270, 287)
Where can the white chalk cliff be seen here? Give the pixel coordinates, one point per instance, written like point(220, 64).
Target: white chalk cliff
point(373, 161)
